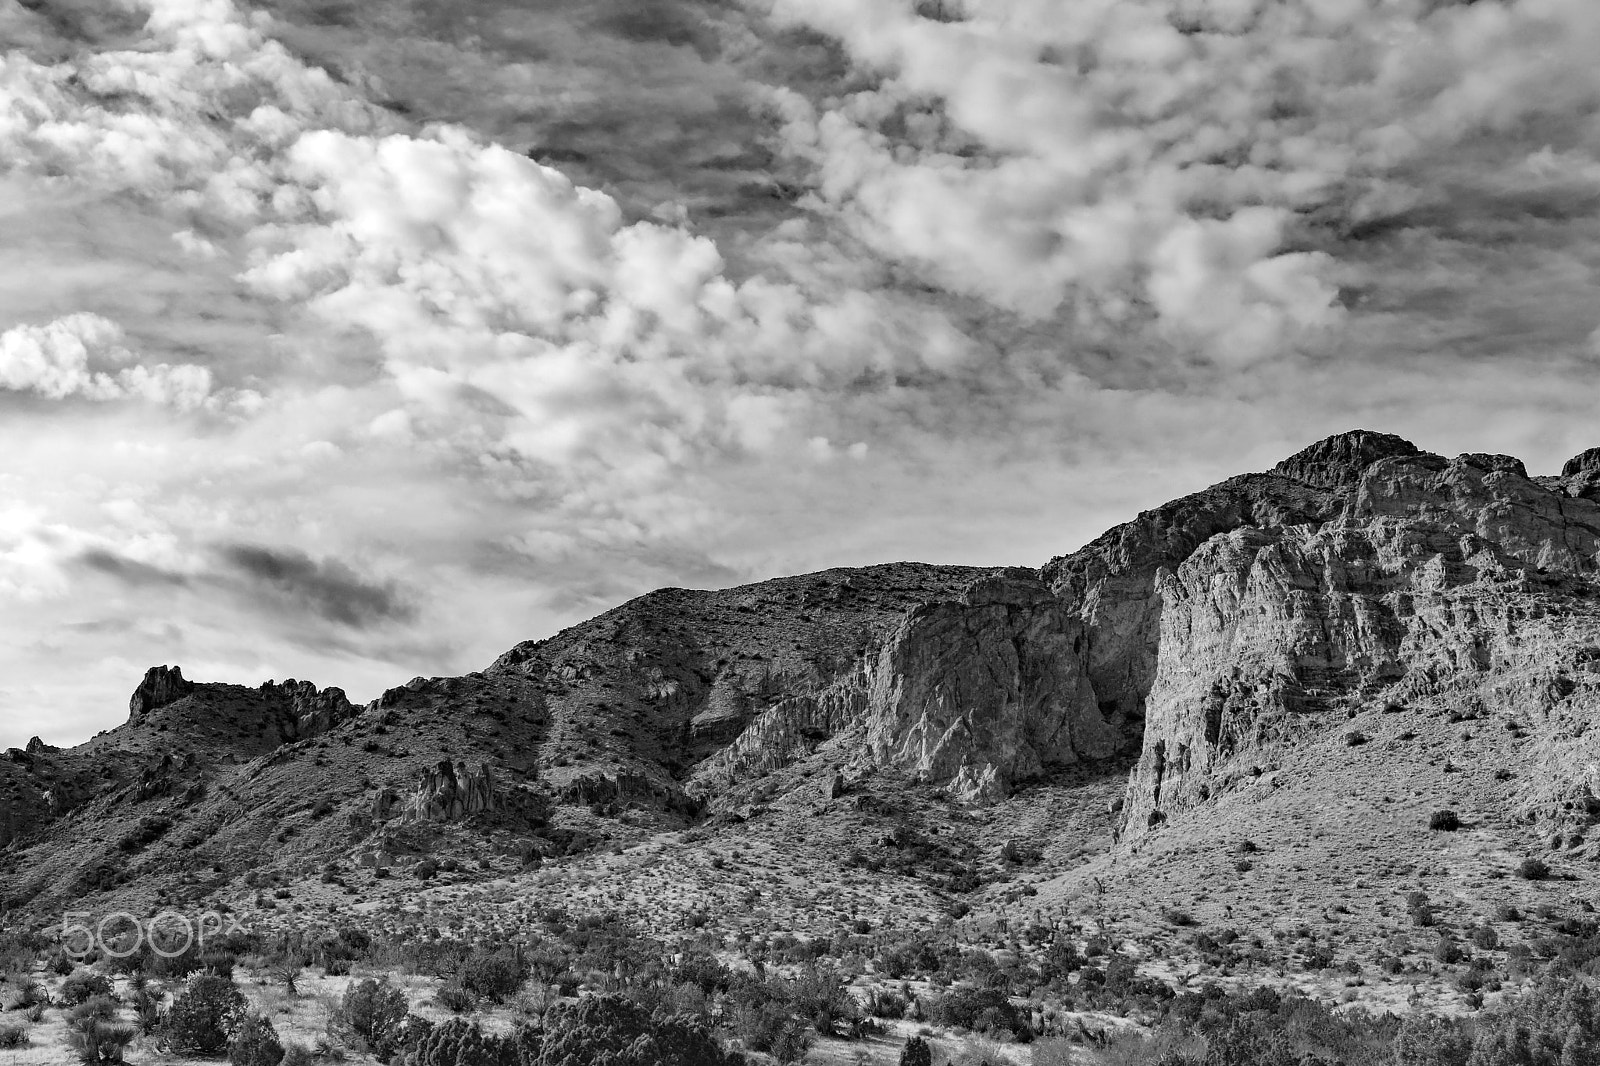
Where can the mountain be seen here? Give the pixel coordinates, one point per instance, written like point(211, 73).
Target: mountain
point(1298, 665)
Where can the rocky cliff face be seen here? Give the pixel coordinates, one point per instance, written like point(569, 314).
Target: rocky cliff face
point(974, 693)
point(1426, 583)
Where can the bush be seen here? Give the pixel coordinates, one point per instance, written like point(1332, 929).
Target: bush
point(296, 1055)
point(456, 999)
point(1444, 821)
point(457, 1042)
point(978, 1009)
point(373, 1012)
point(30, 994)
point(916, 1053)
point(612, 1030)
point(1533, 869)
point(255, 1044)
point(93, 1039)
point(102, 1007)
point(493, 975)
point(205, 1016)
point(83, 985)
point(13, 1036)
point(1485, 937)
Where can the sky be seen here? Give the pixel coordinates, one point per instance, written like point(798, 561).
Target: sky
point(355, 341)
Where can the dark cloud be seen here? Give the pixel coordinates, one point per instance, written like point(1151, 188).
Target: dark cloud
point(130, 571)
point(328, 589)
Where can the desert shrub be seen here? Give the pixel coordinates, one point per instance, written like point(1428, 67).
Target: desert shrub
point(493, 975)
point(372, 1012)
point(82, 985)
point(819, 995)
point(456, 999)
point(458, 1041)
point(1444, 821)
point(255, 1043)
point(761, 1025)
point(296, 1055)
point(698, 969)
point(886, 1004)
point(102, 1007)
point(1485, 937)
point(1533, 869)
point(1447, 950)
point(13, 1035)
point(426, 870)
point(916, 1053)
point(612, 1030)
point(30, 994)
point(286, 971)
point(96, 1040)
point(978, 1009)
point(1431, 1041)
point(204, 1016)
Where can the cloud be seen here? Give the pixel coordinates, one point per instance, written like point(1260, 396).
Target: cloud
point(550, 309)
point(1183, 165)
point(130, 571)
point(82, 355)
point(329, 589)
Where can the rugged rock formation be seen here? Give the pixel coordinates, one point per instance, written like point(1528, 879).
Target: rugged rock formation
point(161, 685)
point(312, 711)
point(1427, 581)
point(974, 693)
point(449, 793)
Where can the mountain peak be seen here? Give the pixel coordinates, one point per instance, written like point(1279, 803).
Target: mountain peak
point(1585, 462)
point(1339, 460)
point(161, 685)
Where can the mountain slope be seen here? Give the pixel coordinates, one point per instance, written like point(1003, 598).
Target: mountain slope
point(1307, 660)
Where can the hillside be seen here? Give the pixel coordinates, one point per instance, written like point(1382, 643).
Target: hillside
point(1239, 710)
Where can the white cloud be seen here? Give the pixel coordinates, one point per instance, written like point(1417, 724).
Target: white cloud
point(1049, 271)
point(83, 355)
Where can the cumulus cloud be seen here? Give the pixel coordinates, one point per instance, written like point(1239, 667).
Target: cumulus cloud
point(966, 288)
point(1190, 164)
point(82, 355)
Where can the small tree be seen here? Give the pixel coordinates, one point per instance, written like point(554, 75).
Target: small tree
point(373, 1012)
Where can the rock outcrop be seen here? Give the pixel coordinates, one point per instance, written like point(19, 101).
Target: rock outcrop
point(449, 793)
point(161, 685)
point(312, 711)
point(1426, 580)
point(974, 693)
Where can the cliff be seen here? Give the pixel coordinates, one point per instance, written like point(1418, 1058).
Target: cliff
point(1433, 581)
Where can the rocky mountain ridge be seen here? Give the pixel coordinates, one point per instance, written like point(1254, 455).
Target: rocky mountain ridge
point(1202, 637)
